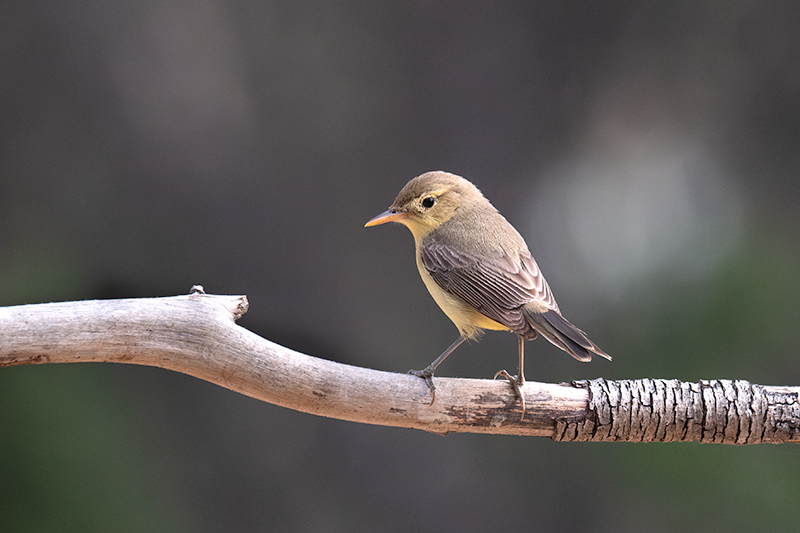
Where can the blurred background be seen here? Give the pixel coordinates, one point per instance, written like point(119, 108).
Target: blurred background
point(647, 153)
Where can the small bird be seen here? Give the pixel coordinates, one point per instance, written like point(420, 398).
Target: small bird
point(479, 271)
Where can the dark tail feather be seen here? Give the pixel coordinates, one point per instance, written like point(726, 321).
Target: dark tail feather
point(563, 334)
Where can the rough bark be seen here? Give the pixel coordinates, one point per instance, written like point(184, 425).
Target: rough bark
point(196, 335)
point(710, 411)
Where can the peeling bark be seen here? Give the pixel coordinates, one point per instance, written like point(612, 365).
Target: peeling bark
point(717, 411)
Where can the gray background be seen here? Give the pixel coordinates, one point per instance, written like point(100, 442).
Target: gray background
point(648, 153)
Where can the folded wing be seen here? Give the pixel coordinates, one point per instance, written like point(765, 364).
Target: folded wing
point(513, 293)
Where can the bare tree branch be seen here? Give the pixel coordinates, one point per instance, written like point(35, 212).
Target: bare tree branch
point(196, 335)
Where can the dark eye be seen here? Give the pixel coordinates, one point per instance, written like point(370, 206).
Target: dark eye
point(428, 202)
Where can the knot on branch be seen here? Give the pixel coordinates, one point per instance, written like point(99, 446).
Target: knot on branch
point(713, 411)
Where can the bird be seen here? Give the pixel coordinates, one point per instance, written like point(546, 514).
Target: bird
point(480, 272)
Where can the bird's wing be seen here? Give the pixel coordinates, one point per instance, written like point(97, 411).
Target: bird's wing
point(496, 286)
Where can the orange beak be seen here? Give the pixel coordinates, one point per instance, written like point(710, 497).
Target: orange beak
point(387, 216)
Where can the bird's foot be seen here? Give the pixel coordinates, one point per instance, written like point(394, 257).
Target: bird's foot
point(427, 375)
point(517, 382)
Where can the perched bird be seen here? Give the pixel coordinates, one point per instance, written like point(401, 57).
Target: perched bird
point(479, 270)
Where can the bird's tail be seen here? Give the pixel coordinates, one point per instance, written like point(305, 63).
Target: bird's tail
point(563, 334)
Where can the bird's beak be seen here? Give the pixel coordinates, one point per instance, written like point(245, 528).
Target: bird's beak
point(387, 216)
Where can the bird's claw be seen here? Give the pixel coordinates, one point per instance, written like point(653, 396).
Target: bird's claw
point(428, 377)
point(517, 384)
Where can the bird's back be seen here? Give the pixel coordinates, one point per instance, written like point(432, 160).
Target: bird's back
point(482, 260)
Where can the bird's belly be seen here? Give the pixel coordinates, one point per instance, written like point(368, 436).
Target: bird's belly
point(466, 318)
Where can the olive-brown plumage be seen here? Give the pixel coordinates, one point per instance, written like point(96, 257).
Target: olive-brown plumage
point(479, 270)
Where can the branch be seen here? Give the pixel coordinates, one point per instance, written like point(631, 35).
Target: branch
point(196, 335)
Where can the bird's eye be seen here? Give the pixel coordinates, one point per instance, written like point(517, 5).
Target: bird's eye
point(428, 202)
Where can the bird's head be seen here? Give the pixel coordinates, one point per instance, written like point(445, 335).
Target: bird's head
point(428, 201)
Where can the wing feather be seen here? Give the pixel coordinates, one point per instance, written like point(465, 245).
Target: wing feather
point(497, 287)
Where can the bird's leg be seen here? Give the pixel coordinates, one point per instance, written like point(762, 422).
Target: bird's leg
point(519, 380)
point(427, 373)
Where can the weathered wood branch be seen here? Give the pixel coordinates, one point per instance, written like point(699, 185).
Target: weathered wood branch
point(196, 335)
